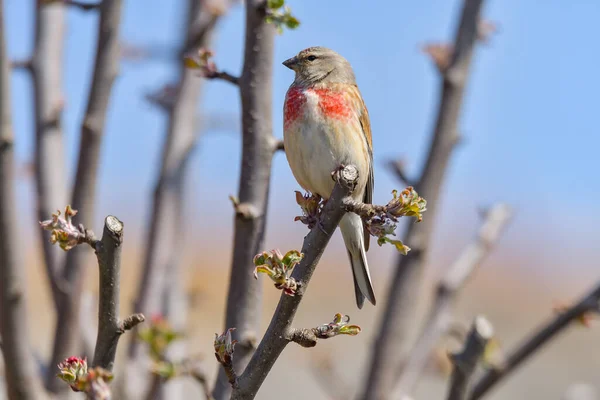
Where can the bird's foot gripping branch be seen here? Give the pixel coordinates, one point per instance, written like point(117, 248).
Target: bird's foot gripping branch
point(380, 221)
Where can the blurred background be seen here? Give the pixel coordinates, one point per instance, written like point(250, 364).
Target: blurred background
point(529, 128)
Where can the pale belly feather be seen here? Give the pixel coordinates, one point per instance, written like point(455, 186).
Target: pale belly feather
point(314, 149)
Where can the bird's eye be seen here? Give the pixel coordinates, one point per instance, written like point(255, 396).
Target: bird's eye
point(311, 58)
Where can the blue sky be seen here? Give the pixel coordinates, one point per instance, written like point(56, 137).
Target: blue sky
point(530, 120)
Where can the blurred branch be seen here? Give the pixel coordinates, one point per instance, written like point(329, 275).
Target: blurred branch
point(22, 379)
point(23, 65)
point(46, 68)
point(465, 363)
point(448, 288)
point(280, 332)
point(398, 325)
point(66, 338)
point(110, 327)
point(278, 146)
point(244, 295)
point(180, 140)
point(333, 384)
point(223, 75)
point(398, 168)
point(580, 391)
point(200, 376)
point(76, 4)
point(161, 286)
point(548, 331)
point(202, 61)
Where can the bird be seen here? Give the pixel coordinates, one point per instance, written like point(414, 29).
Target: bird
point(325, 126)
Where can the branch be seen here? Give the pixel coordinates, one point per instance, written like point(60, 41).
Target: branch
point(466, 362)
point(224, 348)
point(46, 68)
point(84, 188)
point(580, 391)
point(166, 224)
point(202, 61)
point(280, 332)
point(536, 341)
point(80, 5)
point(278, 145)
point(244, 295)
point(223, 75)
point(180, 139)
point(308, 337)
point(398, 329)
point(334, 385)
point(110, 327)
point(200, 376)
point(398, 168)
point(21, 376)
point(448, 288)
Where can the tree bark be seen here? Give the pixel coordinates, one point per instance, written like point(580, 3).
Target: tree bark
point(280, 331)
point(258, 146)
point(22, 380)
point(50, 171)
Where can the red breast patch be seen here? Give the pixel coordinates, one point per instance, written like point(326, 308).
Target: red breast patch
point(294, 100)
point(333, 103)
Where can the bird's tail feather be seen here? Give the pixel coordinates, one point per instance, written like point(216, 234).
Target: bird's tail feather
point(352, 231)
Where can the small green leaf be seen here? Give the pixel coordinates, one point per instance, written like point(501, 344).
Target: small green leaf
point(401, 247)
point(292, 22)
point(292, 258)
point(275, 4)
point(351, 330)
point(190, 62)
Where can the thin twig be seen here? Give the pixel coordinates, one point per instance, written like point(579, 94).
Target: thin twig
point(244, 295)
point(324, 372)
point(398, 325)
point(398, 168)
point(465, 363)
point(84, 188)
point(21, 374)
point(200, 376)
point(535, 342)
point(279, 145)
point(280, 332)
point(83, 6)
point(223, 75)
point(457, 275)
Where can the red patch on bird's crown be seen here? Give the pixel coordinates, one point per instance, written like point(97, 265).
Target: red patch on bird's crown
point(333, 103)
point(294, 100)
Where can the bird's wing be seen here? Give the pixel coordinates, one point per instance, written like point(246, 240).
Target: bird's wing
point(365, 123)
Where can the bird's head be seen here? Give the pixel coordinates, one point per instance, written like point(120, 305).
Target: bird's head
point(320, 64)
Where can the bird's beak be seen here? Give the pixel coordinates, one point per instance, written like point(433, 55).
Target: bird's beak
point(291, 62)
